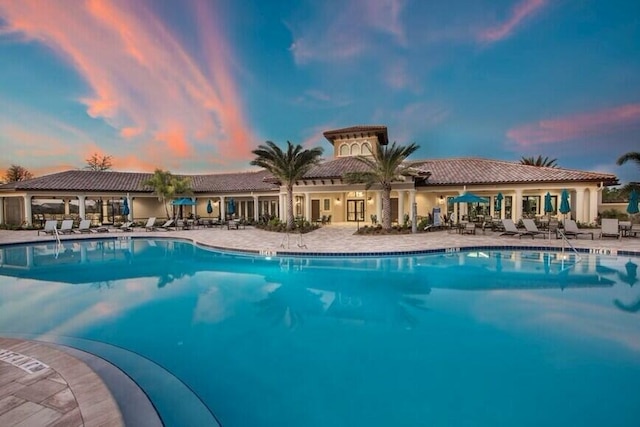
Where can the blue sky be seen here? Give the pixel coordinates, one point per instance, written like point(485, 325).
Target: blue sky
point(194, 86)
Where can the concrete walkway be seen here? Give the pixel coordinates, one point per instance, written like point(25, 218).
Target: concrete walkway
point(41, 385)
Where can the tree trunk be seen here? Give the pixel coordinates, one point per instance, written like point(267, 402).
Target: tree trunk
point(290, 207)
point(386, 207)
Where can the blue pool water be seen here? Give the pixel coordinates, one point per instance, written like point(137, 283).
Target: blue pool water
point(471, 338)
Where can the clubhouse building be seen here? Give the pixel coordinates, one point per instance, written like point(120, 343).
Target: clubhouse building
point(512, 190)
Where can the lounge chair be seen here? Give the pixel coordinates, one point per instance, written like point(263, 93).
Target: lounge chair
point(66, 227)
point(532, 228)
point(165, 227)
point(610, 228)
point(571, 229)
point(510, 229)
point(49, 227)
point(151, 224)
point(127, 226)
point(84, 227)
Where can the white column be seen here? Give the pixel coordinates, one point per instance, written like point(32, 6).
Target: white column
point(307, 207)
point(130, 201)
point(282, 206)
point(223, 215)
point(412, 200)
point(400, 207)
point(256, 206)
point(81, 207)
point(580, 214)
point(594, 194)
point(67, 211)
point(517, 205)
point(1, 210)
point(27, 210)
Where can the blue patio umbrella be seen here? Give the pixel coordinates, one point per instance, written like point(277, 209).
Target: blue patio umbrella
point(564, 203)
point(231, 207)
point(469, 198)
point(185, 201)
point(548, 207)
point(499, 199)
point(632, 207)
point(125, 207)
point(209, 207)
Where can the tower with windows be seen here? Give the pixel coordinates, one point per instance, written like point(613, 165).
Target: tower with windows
point(357, 140)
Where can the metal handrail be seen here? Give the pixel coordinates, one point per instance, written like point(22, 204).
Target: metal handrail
point(575, 251)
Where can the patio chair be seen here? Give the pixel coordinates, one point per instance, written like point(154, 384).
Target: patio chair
point(151, 224)
point(532, 228)
point(571, 229)
point(510, 229)
point(469, 228)
point(610, 228)
point(66, 227)
point(49, 227)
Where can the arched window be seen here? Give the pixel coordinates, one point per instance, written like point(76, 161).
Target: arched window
point(344, 150)
point(355, 149)
point(366, 149)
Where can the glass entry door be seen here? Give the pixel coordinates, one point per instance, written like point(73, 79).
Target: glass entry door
point(355, 210)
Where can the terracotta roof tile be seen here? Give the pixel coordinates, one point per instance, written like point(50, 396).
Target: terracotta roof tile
point(482, 171)
point(79, 180)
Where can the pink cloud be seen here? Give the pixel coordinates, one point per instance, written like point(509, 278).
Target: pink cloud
point(519, 14)
point(576, 126)
point(142, 79)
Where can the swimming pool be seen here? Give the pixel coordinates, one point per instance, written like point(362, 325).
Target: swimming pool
point(478, 337)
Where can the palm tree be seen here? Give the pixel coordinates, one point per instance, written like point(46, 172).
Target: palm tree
point(635, 156)
point(287, 167)
point(165, 185)
point(386, 166)
point(540, 162)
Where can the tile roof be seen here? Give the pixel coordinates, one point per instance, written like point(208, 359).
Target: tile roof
point(379, 130)
point(459, 171)
point(473, 170)
point(81, 180)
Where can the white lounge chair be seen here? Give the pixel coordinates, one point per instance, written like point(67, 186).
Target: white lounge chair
point(165, 226)
point(151, 224)
point(49, 227)
point(126, 226)
point(84, 226)
point(66, 227)
point(510, 229)
point(532, 228)
point(571, 229)
point(610, 228)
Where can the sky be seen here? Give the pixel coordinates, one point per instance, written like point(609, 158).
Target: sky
point(194, 86)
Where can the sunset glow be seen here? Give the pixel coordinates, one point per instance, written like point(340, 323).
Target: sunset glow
point(194, 86)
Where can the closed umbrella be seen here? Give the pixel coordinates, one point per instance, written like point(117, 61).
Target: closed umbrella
point(548, 208)
point(499, 198)
point(231, 207)
point(564, 203)
point(125, 207)
point(632, 207)
point(209, 207)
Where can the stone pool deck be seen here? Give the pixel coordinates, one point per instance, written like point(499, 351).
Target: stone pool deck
point(70, 393)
